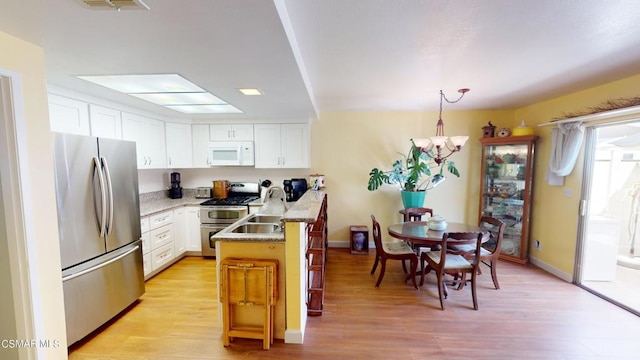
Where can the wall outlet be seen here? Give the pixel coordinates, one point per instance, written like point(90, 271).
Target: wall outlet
point(536, 243)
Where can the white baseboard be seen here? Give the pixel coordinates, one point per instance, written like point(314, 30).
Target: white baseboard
point(552, 270)
point(293, 337)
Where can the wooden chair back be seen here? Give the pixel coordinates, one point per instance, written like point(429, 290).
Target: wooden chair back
point(496, 229)
point(416, 213)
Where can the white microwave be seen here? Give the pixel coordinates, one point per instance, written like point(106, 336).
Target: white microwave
point(231, 153)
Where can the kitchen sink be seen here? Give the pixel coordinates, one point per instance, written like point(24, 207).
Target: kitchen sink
point(256, 228)
point(264, 219)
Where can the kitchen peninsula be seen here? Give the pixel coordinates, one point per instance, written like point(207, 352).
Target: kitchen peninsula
point(289, 248)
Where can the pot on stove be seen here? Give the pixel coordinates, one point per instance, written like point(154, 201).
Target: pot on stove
point(221, 189)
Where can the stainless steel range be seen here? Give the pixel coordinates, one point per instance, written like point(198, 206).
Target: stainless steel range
point(217, 214)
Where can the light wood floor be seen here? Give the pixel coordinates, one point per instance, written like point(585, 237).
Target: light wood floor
point(533, 316)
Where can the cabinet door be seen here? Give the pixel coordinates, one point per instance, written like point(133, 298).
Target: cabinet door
point(105, 122)
point(200, 145)
point(68, 115)
point(179, 153)
point(242, 132)
point(220, 132)
point(155, 143)
point(179, 231)
point(238, 132)
point(193, 242)
point(267, 146)
point(149, 135)
point(133, 130)
point(294, 141)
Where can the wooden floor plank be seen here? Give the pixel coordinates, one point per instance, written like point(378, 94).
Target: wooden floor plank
point(533, 316)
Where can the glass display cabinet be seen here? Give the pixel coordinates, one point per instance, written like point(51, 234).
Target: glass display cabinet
point(507, 172)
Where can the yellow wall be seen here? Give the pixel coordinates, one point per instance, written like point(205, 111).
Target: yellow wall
point(27, 60)
point(346, 146)
point(554, 215)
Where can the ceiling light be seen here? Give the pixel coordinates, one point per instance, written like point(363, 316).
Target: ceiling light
point(169, 90)
point(181, 98)
point(435, 146)
point(250, 92)
point(140, 84)
point(206, 109)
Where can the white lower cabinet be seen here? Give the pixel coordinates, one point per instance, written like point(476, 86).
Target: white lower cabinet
point(167, 236)
point(146, 245)
point(192, 235)
point(179, 230)
point(161, 256)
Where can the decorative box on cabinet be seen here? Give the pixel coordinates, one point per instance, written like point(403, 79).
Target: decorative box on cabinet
point(359, 235)
point(506, 189)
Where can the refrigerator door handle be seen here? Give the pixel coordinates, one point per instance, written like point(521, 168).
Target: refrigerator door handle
point(105, 166)
point(73, 276)
point(103, 216)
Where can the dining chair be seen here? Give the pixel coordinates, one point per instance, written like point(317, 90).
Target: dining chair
point(490, 250)
point(443, 262)
point(415, 214)
point(394, 250)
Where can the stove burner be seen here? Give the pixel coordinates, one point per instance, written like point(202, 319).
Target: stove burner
point(234, 200)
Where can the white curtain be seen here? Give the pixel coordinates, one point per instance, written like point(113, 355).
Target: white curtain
point(566, 141)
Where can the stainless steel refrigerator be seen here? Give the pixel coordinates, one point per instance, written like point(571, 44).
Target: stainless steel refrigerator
point(98, 207)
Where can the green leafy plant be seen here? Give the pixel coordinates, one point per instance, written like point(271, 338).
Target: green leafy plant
point(413, 172)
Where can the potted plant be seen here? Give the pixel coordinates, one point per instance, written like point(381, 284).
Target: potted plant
point(413, 175)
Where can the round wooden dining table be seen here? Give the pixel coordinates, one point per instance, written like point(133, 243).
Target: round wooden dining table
point(418, 232)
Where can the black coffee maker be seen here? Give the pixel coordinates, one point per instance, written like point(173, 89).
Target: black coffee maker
point(288, 189)
point(175, 192)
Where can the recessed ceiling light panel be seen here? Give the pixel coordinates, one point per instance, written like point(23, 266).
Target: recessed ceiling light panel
point(181, 98)
point(250, 91)
point(169, 90)
point(206, 109)
point(140, 84)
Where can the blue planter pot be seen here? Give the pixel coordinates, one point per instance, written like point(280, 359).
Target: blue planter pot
point(413, 198)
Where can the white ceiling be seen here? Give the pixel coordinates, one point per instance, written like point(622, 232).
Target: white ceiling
point(315, 56)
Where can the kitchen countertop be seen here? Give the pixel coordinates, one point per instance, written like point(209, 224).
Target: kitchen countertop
point(306, 209)
point(158, 201)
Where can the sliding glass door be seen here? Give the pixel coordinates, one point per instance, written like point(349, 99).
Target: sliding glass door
point(608, 261)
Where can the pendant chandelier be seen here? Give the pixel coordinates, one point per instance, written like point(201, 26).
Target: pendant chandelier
point(440, 147)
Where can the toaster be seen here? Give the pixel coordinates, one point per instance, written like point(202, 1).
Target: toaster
point(203, 193)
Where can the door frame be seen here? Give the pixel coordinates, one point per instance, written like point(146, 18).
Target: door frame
point(591, 137)
point(16, 207)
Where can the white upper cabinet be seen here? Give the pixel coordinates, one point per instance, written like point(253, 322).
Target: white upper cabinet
point(179, 152)
point(281, 146)
point(200, 145)
point(294, 139)
point(68, 115)
point(105, 122)
point(149, 135)
point(237, 132)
